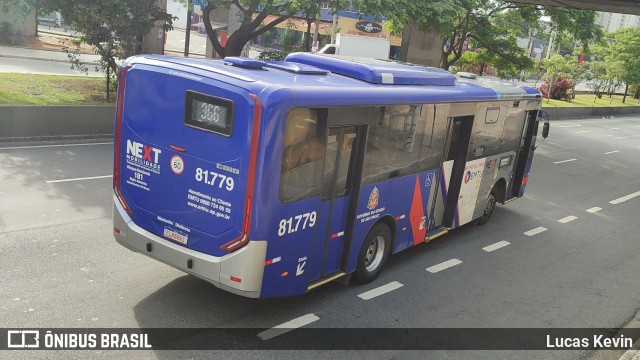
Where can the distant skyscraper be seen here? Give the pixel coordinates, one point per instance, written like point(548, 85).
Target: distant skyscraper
point(612, 21)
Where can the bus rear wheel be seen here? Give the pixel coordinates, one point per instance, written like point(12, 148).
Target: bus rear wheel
point(373, 254)
point(488, 209)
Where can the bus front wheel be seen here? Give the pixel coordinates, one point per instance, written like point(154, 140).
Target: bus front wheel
point(373, 254)
point(488, 209)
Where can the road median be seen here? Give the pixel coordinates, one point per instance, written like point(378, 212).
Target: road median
point(19, 122)
point(23, 122)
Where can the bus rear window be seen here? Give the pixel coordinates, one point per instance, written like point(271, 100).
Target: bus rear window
point(209, 113)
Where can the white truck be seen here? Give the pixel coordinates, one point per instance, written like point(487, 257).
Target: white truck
point(356, 45)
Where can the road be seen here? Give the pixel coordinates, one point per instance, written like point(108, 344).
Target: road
point(60, 266)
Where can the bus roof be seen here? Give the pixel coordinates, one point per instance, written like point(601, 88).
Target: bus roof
point(321, 80)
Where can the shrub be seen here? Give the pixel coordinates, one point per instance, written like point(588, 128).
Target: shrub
point(562, 89)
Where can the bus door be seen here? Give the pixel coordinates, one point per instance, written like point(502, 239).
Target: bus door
point(524, 154)
point(453, 167)
point(339, 197)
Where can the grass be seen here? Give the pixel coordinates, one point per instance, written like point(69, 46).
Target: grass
point(35, 89)
point(587, 100)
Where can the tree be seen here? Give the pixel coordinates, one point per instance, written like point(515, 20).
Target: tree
point(486, 24)
point(252, 14)
point(624, 51)
point(115, 28)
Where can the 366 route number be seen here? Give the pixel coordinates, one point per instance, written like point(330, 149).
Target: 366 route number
point(298, 222)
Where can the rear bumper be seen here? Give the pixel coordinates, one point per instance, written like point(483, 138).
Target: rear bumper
point(239, 272)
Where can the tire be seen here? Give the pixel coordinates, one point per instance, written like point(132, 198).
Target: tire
point(374, 253)
point(488, 210)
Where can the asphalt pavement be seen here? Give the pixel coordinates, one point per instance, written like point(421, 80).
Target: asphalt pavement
point(566, 255)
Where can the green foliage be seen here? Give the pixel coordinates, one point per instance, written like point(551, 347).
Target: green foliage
point(272, 55)
point(491, 25)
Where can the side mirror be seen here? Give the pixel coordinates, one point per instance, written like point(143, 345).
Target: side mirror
point(545, 130)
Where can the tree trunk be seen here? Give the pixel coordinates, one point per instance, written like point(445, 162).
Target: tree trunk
point(211, 34)
point(626, 88)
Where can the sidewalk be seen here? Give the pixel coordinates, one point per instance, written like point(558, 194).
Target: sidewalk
point(47, 55)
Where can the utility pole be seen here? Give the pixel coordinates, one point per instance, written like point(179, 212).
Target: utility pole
point(316, 35)
point(187, 32)
point(334, 26)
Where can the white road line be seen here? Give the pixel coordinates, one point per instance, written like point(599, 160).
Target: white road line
point(443, 265)
point(582, 131)
point(50, 146)
point(615, 128)
point(622, 137)
point(496, 246)
point(624, 198)
point(567, 126)
point(79, 179)
point(288, 326)
point(381, 290)
point(612, 152)
point(630, 354)
point(564, 161)
point(535, 231)
point(594, 209)
point(567, 219)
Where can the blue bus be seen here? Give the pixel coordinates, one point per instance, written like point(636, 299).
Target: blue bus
point(269, 179)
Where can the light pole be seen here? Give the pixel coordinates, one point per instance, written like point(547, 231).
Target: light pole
point(187, 33)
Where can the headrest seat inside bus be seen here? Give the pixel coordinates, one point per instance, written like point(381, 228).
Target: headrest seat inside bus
point(376, 71)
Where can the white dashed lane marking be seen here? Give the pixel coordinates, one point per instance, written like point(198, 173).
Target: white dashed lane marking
point(288, 326)
point(443, 265)
point(496, 246)
point(568, 126)
point(593, 209)
point(79, 179)
point(624, 198)
point(623, 137)
point(535, 231)
point(564, 161)
point(381, 290)
point(567, 219)
point(612, 152)
point(582, 131)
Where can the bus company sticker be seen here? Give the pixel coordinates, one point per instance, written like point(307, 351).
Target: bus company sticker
point(143, 156)
point(373, 198)
point(177, 164)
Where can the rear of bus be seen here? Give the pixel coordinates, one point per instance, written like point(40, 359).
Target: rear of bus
point(184, 170)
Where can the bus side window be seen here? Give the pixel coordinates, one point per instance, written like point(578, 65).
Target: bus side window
point(303, 154)
point(391, 144)
point(432, 138)
point(512, 131)
point(485, 135)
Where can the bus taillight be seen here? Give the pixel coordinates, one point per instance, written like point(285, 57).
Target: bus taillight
point(116, 144)
point(525, 179)
point(243, 239)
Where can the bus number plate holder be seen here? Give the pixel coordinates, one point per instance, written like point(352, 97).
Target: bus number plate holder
point(176, 236)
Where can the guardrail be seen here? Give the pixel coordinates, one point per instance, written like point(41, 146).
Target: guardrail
point(559, 113)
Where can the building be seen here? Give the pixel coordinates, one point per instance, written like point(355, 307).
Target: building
point(612, 22)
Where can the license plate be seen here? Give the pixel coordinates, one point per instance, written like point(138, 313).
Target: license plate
point(176, 236)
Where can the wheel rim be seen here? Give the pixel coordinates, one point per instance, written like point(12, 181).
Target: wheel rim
point(375, 251)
